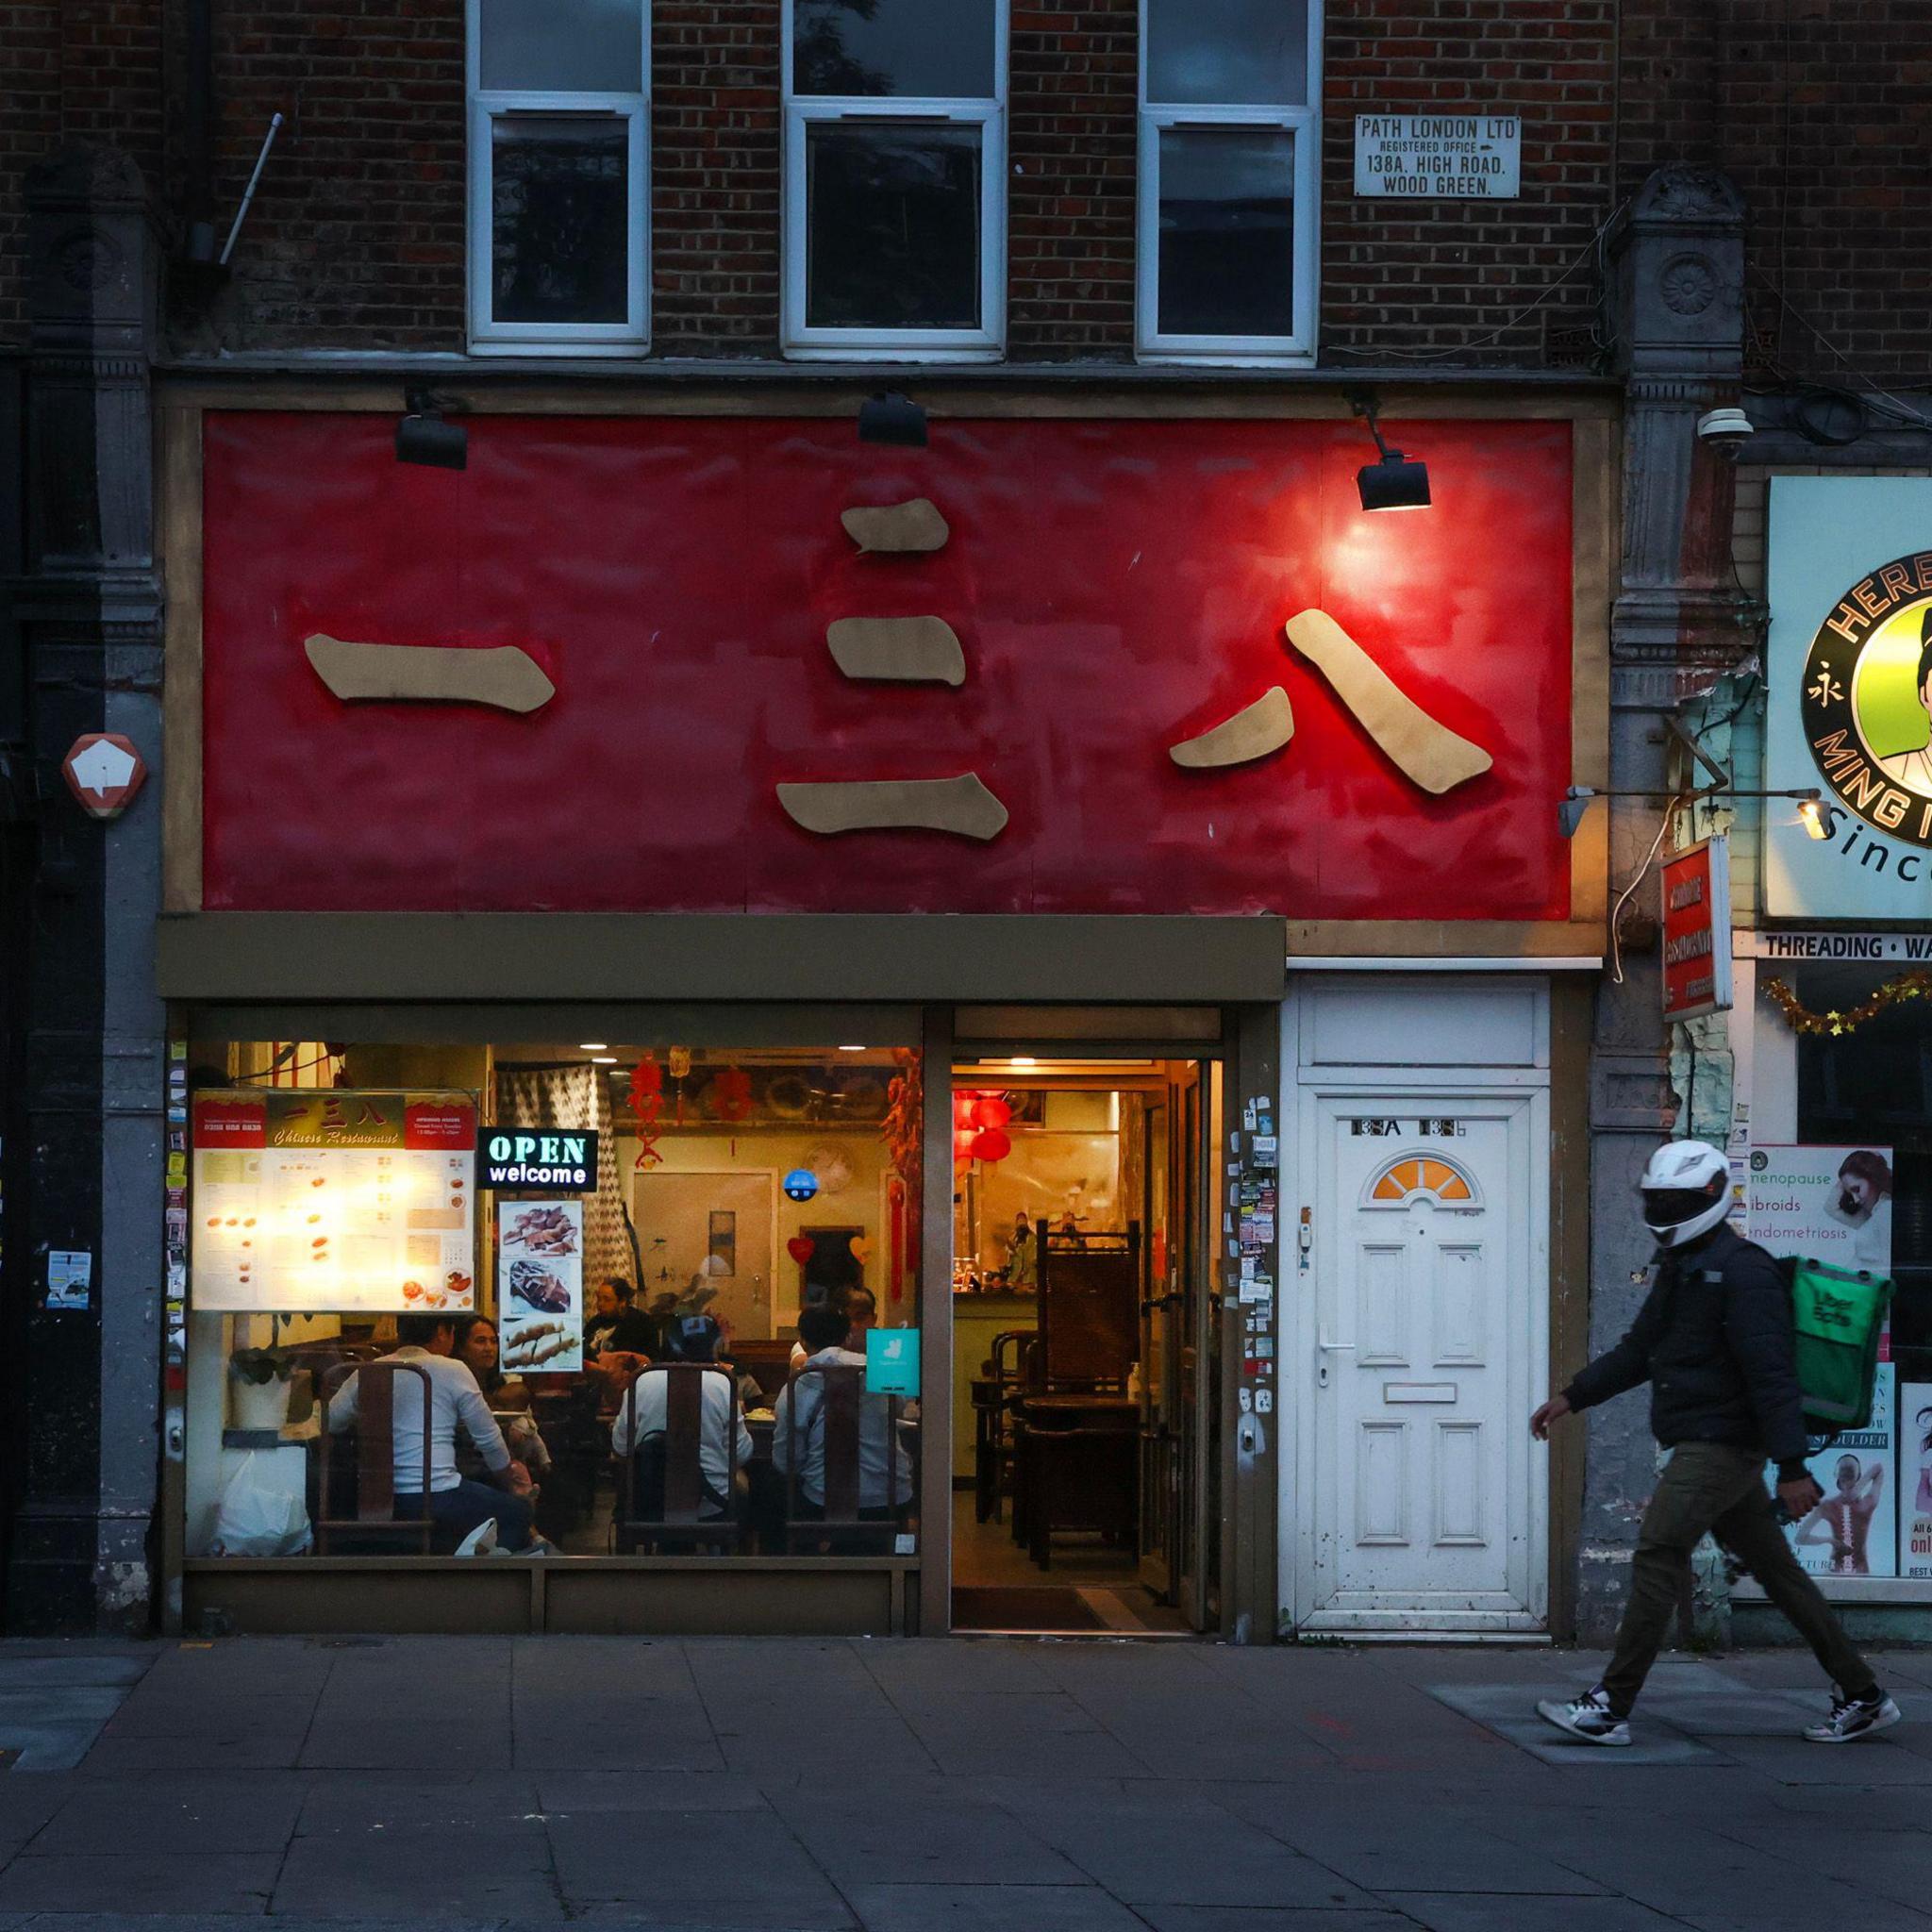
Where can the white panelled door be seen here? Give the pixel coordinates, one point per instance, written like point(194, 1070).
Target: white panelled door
point(1424, 1327)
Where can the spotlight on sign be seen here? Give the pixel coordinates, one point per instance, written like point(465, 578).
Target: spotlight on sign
point(891, 419)
point(1395, 481)
point(424, 436)
point(1815, 816)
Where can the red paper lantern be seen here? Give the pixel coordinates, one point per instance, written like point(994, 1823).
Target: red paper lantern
point(989, 1111)
point(992, 1144)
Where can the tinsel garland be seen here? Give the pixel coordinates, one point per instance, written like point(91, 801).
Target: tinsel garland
point(1801, 1019)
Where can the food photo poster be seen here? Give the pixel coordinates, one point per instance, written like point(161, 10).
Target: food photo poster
point(539, 1285)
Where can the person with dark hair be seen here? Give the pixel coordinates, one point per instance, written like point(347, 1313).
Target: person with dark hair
point(860, 1308)
point(1913, 769)
point(455, 1502)
point(642, 1417)
point(1861, 1199)
point(885, 1473)
point(509, 1397)
point(617, 1326)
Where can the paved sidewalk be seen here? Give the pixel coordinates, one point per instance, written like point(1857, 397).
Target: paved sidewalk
point(349, 1784)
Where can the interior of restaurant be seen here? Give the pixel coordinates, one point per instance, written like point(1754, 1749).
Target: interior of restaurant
point(742, 1229)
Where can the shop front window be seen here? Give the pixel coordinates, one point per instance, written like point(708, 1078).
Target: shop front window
point(604, 1300)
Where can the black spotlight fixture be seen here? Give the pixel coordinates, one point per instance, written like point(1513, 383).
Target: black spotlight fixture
point(891, 419)
point(1394, 481)
point(424, 436)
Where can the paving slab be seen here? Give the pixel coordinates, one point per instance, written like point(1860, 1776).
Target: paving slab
point(493, 1801)
point(1267, 1919)
point(88, 1668)
point(912, 1842)
point(1509, 1710)
point(450, 1873)
point(1486, 1913)
point(219, 1885)
point(184, 1815)
point(54, 1725)
point(694, 1860)
point(991, 1908)
point(569, 1791)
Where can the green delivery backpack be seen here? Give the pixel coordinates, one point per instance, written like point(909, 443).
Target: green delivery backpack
point(1839, 1318)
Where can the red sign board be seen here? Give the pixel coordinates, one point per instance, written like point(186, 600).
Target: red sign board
point(1117, 588)
point(1697, 930)
point(231, 1122)
point(446, 1123)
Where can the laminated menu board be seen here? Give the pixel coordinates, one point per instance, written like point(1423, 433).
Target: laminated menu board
point(331, 1200)
point(539, 1285)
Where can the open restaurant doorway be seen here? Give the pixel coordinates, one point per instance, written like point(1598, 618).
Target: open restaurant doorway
point(1083, 1345)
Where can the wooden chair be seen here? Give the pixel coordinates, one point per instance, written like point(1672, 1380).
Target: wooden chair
point(375, 1520)
point(1076, 1472)
point(1089, 1307)
point(995, 1394)
point(838, 1418)
point(682, 1521)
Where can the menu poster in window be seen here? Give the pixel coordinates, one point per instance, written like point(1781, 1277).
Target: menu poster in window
point(1853, 1531)
point(1915, 1471)
point(1826, 1204)
point(332, 1201)
point(539, 1285)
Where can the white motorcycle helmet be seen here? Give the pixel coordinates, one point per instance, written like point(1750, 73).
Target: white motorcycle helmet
point(1687, 1192)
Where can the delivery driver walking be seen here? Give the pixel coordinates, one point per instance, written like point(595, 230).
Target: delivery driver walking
point(1713, 1340)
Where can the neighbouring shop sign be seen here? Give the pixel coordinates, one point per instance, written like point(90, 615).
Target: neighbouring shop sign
point(1697, 930)
point(320, 1201)
point(1438, 157)
point(1911, 947)
point(1849, 667)
point(538, 1160)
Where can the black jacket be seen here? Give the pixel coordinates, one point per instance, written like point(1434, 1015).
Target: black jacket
point(1714, 1340)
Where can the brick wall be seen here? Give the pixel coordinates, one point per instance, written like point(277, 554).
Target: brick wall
point(1073, 94)
point(1443, 280)
point(1821, 110)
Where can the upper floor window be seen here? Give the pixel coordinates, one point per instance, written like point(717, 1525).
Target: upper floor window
point(895, 176)
point(559, 239)
point(1228, 139)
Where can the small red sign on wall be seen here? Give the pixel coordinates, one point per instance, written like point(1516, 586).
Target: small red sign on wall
point(231, 1122)
point(1697, 930)
point(104, 771)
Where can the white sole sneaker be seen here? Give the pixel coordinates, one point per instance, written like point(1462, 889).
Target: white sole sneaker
point(1887, 1715)
point(1554, 1712)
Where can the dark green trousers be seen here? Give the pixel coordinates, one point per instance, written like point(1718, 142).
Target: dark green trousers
point(1711, 1487)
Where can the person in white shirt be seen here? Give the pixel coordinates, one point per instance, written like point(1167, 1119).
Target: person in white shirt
point(885, 1471)
point(455, 1502)
point(643, 1415)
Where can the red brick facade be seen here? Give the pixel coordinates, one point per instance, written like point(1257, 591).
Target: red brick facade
point(357, 239)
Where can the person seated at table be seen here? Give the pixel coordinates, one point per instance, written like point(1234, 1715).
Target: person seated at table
point(861, 1309)
point(618, 1326)
point(885, 1471)
point(815, 1294)
point(509, 1397)
point(455, 1502)
point(645, 1412)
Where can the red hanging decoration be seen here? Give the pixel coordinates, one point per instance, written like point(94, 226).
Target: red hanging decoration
point(647, 1103)
point(801, 1247)
point(990, 1145)
point(731, 1094)
point(991, 1111)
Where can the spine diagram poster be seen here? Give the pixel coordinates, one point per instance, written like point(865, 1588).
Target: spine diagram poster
point(1828, 1204)
point(332, 1201)
point(1915, 1473)
point(1853, 1532)
point(539, 1285)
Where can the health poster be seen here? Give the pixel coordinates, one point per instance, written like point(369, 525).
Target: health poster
point(1828, 1204)
point(539, 1285)
point(326, 1201)
point(1853, 1531)
point(1915, 1471)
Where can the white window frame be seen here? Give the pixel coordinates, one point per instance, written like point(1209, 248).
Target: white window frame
point(1304, 123)
point(489, 336)
point(986, 344)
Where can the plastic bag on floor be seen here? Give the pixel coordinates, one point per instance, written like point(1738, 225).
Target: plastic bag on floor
point(258, 1517)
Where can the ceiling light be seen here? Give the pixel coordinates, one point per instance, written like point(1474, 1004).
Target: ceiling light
point(424, 436)
point(604, 1059)
point(1395, 481)
point(1024, 1059)
point(593, 1045)
point(891, 419)
point(852, 1049)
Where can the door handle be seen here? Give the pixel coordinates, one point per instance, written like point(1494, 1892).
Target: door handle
point(1328, 1347)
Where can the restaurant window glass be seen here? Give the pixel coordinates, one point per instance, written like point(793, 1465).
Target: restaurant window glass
point(894, 196)
point(1228, 145)
point(637, 1300)
point(559, 196)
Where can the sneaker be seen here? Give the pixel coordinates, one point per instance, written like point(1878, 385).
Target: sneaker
point(1588, 1717)
point(1853, 1718)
